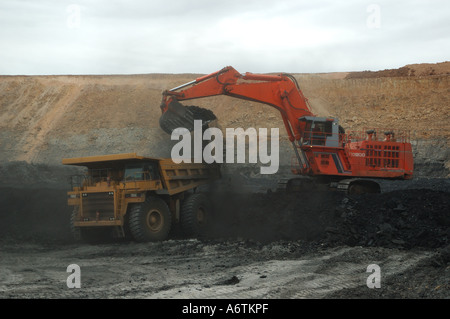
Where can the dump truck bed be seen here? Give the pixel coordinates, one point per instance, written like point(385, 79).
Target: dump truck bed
point(175, 178)
point(102, 161)
point(184, 176)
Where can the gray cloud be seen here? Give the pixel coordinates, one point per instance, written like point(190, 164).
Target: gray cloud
point(201, 36)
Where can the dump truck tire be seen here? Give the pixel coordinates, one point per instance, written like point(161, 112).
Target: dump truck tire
point(195, 215)
point(150, 221)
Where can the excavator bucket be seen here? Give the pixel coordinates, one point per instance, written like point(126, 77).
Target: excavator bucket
point(177, 115)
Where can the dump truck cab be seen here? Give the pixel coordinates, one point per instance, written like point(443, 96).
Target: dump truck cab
point(127, 195)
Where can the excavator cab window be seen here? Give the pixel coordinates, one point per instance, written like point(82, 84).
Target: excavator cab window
point(320, 131)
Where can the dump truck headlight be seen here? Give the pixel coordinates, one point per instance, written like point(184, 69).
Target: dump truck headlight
point(133, 195)
point(74, 196)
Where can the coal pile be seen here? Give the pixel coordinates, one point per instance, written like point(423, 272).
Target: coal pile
point(418, 218)
point(35, 215)
point(407, 219)
point(274, 216)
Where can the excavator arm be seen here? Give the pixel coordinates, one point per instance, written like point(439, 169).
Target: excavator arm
point(279, 91)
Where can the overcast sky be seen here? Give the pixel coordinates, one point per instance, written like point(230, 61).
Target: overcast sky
point(202, 36)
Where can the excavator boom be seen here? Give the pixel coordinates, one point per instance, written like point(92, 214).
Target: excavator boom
point(279, 91)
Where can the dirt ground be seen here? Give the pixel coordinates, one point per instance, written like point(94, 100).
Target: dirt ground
point(261, 246)
point(217, 269)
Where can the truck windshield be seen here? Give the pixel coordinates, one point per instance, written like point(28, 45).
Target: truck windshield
point(134, 173)
point(145, 171)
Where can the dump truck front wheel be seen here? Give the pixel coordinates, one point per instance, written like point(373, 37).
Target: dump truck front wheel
point(195, 215)
point(150, 221)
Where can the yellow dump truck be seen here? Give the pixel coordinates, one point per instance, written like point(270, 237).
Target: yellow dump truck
point(137, 197)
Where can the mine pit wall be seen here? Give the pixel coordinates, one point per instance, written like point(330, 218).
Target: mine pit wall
point(431, 158)
point(46, 118)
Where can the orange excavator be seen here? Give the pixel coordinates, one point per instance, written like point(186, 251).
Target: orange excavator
point(349, 161)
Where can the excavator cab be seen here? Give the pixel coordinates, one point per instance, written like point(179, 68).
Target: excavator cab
point(321, 131)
